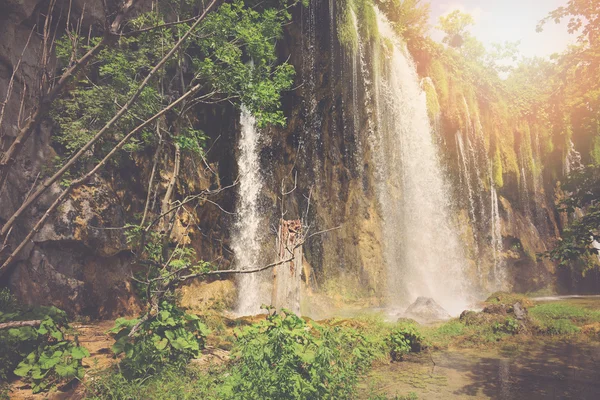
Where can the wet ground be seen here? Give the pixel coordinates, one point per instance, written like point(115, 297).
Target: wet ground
point(539, 368)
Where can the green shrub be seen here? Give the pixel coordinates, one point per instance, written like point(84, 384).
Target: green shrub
point(43, 355)
point(172, 337)
point(509, 325)
point(284, 357)
point(403, 341)
point(8, 303)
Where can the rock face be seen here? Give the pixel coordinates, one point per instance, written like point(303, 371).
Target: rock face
point(425, 309)
point(78, 264)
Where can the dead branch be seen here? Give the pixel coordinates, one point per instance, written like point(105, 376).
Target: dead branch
point(19, 324)
point(169, 192)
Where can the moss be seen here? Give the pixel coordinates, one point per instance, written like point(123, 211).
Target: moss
point(497, 170)
point(509, 299)
point(346, 31)
point(364, 22)
point(595, 151)
point(433, 105)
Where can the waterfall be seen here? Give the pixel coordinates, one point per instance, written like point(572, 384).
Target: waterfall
point(499, 271)
point(572, 159)
point(247, 228)
point(423, 253)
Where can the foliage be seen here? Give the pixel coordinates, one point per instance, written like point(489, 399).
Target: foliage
point(8, 302)
point(45, 355)
point(455, 25)
point(285, 357)
point(231, 54)
point(403, 341)
point(576, 249)
point(172, 337)
point(170, 384)
point(509, 325)
point(410, 18)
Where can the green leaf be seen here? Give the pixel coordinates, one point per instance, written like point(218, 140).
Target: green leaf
point(161, 344)
point(22, 369)
point(66, 371)
point(79, 352)
point(57, 335)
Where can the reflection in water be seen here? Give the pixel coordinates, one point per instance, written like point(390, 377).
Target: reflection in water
point(528, 371)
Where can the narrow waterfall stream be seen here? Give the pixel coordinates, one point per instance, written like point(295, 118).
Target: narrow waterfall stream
point(423, 253)
point(246, 235)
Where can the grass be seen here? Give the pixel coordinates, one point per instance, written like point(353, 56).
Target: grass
point(562, 318)
point(191, 383)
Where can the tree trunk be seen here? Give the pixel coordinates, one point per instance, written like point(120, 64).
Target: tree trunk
point(287, 276)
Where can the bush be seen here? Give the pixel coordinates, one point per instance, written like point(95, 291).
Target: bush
point(509, 325)
point(43, 356)
point(171, 338)
point(284, 357)
point(403, 341)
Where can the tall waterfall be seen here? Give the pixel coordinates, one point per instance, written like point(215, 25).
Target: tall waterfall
point(423, 253)
point(246, 235)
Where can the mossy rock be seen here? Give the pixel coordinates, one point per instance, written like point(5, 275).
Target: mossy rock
point(509, 299)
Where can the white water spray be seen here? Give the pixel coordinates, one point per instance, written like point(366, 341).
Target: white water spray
point(423, 251)
point(246, 236)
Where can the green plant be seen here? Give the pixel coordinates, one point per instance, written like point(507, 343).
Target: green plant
point(172, 337)
point(284, 357)
point(403, 341)
point(509, 325)
point(8, 302)
point(50, 358)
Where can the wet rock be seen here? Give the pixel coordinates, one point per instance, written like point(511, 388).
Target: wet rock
point(519, 311)
point(426, 309)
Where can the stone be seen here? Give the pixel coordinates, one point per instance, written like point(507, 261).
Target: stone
point(519, 311)
point(426, 309)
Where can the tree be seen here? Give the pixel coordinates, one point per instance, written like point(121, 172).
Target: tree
point(578, 248)
point(455, 25)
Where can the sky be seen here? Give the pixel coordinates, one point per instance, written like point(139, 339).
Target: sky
point(498, 21)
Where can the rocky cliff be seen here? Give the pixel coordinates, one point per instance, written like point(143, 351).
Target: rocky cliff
point(80, 262)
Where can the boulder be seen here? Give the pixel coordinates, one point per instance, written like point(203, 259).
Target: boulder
point(519, 311)
point(425, 309)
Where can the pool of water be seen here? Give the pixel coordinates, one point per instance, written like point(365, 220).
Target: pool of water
point(552, 370)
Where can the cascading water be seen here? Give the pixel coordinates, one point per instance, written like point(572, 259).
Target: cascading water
point(572, 159)
point(423, 252)
point(246, 237)
point(499, 271)
point(465, 175)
